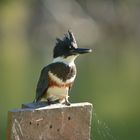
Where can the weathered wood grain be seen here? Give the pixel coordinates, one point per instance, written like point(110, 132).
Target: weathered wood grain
point(54, 122)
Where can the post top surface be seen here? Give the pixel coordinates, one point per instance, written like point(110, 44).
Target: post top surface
point(53, 106)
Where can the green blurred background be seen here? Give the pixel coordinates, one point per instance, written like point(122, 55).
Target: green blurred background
point(109, 78)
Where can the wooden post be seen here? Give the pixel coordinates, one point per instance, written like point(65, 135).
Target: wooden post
point(54, 122)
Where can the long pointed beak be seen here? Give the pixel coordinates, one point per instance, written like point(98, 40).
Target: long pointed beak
point(81, 50)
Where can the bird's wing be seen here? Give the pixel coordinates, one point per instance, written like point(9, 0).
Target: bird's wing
point(42, 83)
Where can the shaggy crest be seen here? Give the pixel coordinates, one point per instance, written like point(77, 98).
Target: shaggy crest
point(68, 40)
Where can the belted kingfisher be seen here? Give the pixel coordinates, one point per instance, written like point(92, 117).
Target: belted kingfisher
point(57, 78)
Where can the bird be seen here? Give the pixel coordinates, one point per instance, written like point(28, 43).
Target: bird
point(57, 78)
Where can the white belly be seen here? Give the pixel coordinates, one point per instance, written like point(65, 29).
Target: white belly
point(55, 93)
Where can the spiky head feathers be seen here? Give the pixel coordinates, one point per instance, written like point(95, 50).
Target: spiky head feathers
point(63, 47)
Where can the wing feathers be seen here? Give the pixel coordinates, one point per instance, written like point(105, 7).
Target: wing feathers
point(42, 83)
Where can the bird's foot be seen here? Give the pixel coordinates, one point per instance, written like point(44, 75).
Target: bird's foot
point(52, 102)
point(67, 103)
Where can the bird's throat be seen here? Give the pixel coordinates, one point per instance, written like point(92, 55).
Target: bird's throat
point(66, 60)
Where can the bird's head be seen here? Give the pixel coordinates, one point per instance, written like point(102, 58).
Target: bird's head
point(67, 49)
